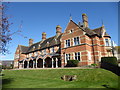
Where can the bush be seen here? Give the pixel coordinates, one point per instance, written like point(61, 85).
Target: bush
point(111, 60)
point(72, 63)
point(94, 65)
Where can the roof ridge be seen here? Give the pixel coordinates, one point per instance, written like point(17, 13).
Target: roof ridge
point(97, 28)
point(77, 25)
point(23, 45)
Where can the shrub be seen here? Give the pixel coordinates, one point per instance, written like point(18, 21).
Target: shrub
point(111, 60)
point(72, 63)
point(94, 65)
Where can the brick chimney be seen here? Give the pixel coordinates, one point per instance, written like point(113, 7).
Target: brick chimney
point(30, 42)
point(58, 30)
point(43, 36)
point(85, 20)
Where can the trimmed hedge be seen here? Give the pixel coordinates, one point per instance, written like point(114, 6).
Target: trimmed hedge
point(111, 60)
point(72, 63)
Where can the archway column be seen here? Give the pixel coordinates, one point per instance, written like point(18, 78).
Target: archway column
point(43, 63)
point(33, 64)
point(56, 63)
point(36, 63)
point(52, 63)
point(27, 64)
point(23, 63)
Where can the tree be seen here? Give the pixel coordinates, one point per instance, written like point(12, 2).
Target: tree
point(5, 32)
point(5, 36)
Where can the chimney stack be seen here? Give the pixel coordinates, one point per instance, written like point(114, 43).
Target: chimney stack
point(85, 20)
point(30, 42)
point(58, 30)
point(43, 36)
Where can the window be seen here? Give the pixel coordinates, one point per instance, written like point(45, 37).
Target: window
point(30, 54)
point(76, 41)
point(36, 53)
point(77, 56)
point(52, 49)
point(67, 56)
point(106, 42)
point(41, 52)
point(71, 31)
point(44, 51)
point(27, 55)
point(67, 43)
point(89, 56)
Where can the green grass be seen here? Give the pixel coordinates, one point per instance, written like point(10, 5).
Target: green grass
point(50, 78)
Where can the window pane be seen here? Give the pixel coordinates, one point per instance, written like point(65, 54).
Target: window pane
point(77, 40)
point(79, 58)
point(68, 42)
point(74, 41)
point(69, 56)
point(107, 42)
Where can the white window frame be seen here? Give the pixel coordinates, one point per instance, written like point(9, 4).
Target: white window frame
point(76, 39)
point(77, 56)
point(109, 42)
point(66, 45)
point(67, 57)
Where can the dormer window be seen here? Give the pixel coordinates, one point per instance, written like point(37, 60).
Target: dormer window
point(30, 54)
point(33, 47)
point(39, 45)
point(52, 49)
point(44, 51)
point(48, 43)
point(36, 53)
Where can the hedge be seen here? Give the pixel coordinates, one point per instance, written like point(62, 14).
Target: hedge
point(72, 63)
point(111, 60)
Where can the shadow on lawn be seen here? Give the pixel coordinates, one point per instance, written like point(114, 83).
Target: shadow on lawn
point(6, 81)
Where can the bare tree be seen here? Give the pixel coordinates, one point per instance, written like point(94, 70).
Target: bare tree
point(5, 32)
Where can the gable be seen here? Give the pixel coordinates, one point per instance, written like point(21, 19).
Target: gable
point(71, 25)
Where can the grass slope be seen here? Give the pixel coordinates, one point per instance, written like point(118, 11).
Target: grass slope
point(50, 78)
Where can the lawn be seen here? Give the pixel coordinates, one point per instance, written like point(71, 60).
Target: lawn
point(50, 78)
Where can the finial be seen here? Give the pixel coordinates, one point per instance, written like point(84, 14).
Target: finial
point(70, 16)
point(102, 23)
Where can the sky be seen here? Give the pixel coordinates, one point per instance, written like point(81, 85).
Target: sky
point(38, 17)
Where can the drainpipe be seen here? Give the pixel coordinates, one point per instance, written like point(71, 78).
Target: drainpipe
point(93, 50)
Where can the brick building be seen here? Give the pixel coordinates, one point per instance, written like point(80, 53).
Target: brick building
point(77, 42)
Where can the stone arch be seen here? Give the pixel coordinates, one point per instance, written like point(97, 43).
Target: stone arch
point(46, 56)
point(48, 62)
point(25, 64)
point(31, 64)
point(39, 57)
point(40, 63)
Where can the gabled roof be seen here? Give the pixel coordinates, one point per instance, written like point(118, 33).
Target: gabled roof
point(71, 25)
point(89, 32)
point(49, 42)
point(23, 49)
point(99, 31)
